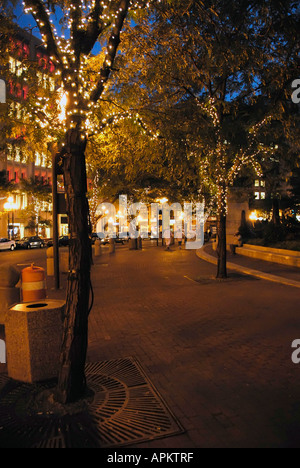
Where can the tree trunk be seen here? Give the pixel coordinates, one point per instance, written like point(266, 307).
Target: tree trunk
point(276, 214)
point(221, 235)
point(221, 248)
point(71, 381)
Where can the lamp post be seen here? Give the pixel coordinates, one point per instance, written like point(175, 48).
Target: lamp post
point(161, 202)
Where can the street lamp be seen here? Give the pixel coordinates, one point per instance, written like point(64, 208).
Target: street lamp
point(11, 206)
point(253, 217)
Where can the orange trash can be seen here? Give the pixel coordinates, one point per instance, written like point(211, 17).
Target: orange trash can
point(33, 284)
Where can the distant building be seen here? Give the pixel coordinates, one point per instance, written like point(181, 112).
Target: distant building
point(260, 189)
point(24, 47)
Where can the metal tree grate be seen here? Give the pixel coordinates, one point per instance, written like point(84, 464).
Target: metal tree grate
point(123, 408)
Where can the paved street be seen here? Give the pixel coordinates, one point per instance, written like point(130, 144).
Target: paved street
point(218, 352)
point(22, 258)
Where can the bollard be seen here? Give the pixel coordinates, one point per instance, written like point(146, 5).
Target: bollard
point(63, 261)
point(9, 293)
point(50, 261)
point(133, 244)
point(112, 246)
point(33, 340)
point(98, 249)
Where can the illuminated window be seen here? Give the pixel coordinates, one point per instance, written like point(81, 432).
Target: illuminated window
point(10, 156)
point(15, 66)
point(18, 110)
point(52, 84)
point(37, 159)
point(18, 155)
point(257, 195)
point(23, 203)
point(263, 195)
point(262, 183)
point(256, 183)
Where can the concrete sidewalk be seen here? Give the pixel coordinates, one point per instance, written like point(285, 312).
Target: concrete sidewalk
point(219, 352)
point(278, 273)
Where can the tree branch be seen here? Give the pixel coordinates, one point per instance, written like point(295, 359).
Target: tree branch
point(112, 47)
point(40, 14)
point(94, 28)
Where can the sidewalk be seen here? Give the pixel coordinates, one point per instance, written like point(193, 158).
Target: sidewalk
point(218, 352)
point(275, 272)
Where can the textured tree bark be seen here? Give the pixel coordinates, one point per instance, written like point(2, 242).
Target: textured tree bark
point(221, 248)
point(71, 381)
point(221, 235)
point(276, 214)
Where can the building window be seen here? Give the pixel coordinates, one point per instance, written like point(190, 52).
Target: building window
point(263, 195)
point(9, 153)
point(18, 155)
point(257, 195)
point(23, 201)
point(19, 48)
point(38, 159)
point(15, 67)
point(256, 183)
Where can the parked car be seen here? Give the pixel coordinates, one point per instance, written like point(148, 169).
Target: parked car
point(63, 241)
point(6, 244)
point(119, 240)
point(33, 242)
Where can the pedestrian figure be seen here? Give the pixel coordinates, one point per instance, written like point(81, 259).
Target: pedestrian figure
point(180, 239)
point(167, 236)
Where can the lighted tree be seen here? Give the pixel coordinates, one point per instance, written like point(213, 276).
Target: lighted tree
point(138, 154)
point(224, 68)
point(85, 22)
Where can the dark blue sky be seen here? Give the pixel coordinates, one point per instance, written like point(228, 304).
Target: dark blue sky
point(27, 21)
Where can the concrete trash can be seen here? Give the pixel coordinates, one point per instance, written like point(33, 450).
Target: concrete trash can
point(33, 340)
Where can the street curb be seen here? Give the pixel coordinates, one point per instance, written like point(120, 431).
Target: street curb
point(248, 271)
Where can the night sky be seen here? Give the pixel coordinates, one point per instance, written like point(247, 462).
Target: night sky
point(27, 21)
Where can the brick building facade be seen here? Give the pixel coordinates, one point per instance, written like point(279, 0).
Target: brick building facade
point(23, 49)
